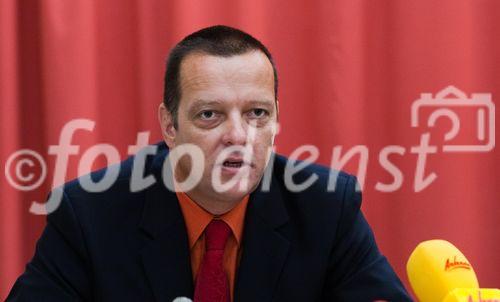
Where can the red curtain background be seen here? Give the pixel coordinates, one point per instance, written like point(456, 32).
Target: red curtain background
point(349, 72)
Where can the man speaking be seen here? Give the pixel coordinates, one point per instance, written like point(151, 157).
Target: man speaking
point(226, 219)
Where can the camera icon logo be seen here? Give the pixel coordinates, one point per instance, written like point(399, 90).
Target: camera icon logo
point(474, 116)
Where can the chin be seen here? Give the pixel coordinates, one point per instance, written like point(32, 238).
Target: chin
point(235, 193)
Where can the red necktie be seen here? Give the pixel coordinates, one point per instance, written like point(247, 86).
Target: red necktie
point(211, 283)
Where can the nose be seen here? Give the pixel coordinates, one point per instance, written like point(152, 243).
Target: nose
point(236, 130)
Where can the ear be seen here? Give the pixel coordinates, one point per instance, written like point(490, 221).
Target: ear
point(168, 130)
point(277, 109)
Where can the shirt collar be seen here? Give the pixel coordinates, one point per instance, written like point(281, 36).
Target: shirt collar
point(197, 218)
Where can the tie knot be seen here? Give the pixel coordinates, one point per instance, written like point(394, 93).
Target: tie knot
point(216, 234)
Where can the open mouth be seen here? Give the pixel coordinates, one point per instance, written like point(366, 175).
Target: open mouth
point(233, 163)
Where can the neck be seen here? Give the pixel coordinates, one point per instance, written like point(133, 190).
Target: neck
point(211, 205)
point(208, 198)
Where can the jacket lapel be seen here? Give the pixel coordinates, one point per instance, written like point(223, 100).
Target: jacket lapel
point(265, 247)
point(165, 257)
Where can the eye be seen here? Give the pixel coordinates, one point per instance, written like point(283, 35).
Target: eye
point(207, 114)
point(258, 113)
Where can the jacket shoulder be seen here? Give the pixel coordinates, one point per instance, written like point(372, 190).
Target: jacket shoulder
point(330, 200)
point(305, 178)
point(117, 177)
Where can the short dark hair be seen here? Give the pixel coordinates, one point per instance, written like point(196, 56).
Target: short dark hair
point(218, 40)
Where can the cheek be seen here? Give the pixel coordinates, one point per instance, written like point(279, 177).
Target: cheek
point(265, 138)
point(203, 139)
point(263, 145)
point(209, 145)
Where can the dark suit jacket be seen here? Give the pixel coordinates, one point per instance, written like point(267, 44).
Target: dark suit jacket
point(121, 246)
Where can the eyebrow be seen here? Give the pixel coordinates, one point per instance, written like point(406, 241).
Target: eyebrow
point(262, 102)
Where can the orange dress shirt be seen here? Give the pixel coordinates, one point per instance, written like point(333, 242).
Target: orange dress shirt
point(196, 219)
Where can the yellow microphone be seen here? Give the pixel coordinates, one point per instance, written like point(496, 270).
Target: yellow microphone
point(439, 272)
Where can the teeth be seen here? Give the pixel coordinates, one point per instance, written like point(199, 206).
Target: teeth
point(233, 164)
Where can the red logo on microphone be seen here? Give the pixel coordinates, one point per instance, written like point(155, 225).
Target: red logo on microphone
point(451, 265)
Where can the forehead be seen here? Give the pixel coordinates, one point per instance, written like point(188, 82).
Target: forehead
point(248, 75)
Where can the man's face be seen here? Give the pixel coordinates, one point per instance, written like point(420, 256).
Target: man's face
point(226, 102)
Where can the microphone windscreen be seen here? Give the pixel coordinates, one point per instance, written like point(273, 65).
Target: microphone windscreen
point(436, 267)
point(473, 295)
